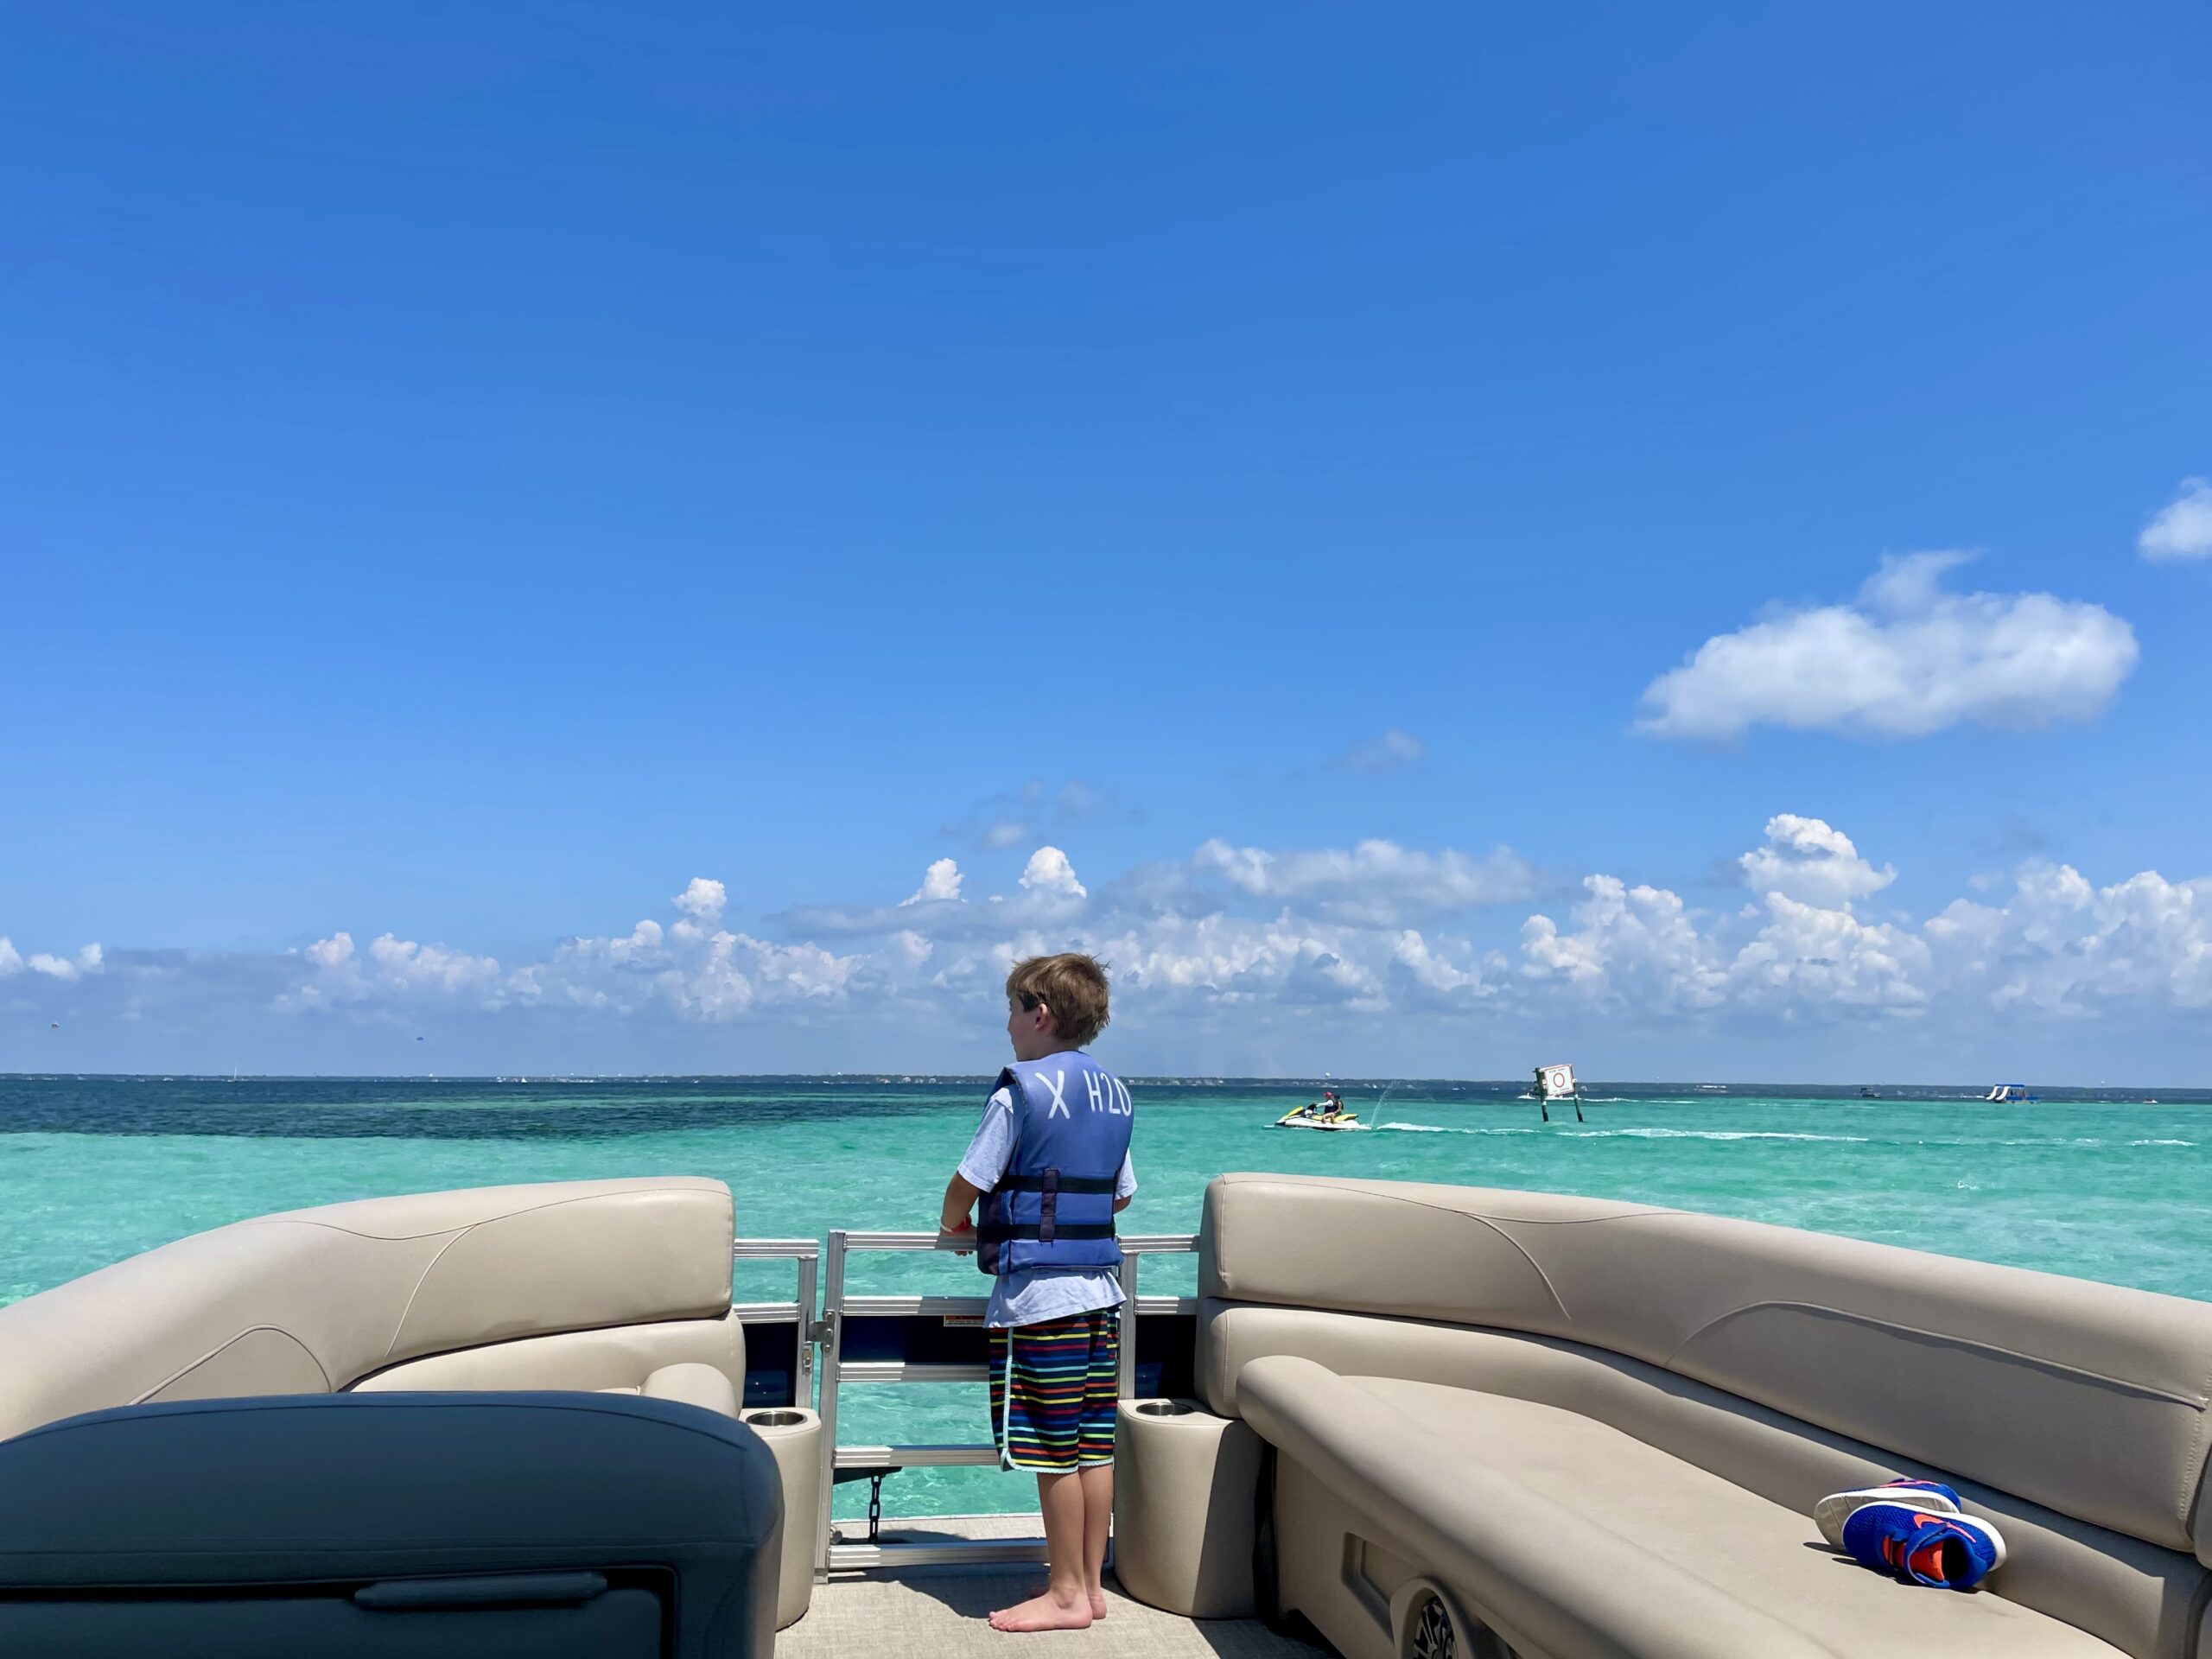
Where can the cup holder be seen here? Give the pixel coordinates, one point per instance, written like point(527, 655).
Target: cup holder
point(778, 1419)
point(1162, 1408)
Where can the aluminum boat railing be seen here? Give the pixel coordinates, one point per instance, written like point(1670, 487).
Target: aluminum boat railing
point(924, 1339)
point(779, 1336)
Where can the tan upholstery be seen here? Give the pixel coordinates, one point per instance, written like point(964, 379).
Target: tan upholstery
point(2135, 1595)
point(1777, 1363)
point(1835, 1330)
point(617, 1356)
point(1577, 1532)
point(1183, 1492)
point(312, 1300)
point(793, 1437)
point(693, 1384)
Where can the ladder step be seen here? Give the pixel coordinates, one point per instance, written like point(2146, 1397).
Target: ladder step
point(916, 1457)
point(895, 1371)
point(964, 1307)
point(907, 1307)
point(949, 1552)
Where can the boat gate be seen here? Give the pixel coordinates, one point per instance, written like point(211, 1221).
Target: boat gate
point(793, 1348)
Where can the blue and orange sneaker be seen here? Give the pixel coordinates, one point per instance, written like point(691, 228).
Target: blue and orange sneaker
point(1956, 1552)
point(1832, 1511)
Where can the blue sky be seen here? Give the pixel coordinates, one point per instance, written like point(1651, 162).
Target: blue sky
point(465, 475)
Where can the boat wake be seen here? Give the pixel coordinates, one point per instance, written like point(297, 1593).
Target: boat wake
point(1641, 1133)
point(1578, 1133)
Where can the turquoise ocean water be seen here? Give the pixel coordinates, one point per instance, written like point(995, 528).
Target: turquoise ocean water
point(2099, 1185)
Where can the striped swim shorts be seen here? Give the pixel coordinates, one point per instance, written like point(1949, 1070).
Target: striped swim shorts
point(1053, 1391)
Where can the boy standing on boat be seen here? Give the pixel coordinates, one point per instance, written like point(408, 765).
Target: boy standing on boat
point(1050, 1164)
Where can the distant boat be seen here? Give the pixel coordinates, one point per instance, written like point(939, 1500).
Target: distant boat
point(2008, 1094)
point(1713, 1087)
point(1306, 1118)
point(1868, 1094)
point(1326, 1113)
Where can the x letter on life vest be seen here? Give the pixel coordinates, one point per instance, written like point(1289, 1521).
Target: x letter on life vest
point(1059, 1105)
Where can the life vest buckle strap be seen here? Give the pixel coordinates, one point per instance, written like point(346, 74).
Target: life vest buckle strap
point(999, 1232)
point(1085, 1185)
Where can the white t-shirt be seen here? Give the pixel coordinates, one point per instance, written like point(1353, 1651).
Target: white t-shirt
point(1035, 1294)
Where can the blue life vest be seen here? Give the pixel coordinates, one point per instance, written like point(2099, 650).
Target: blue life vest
point(1054, 1206)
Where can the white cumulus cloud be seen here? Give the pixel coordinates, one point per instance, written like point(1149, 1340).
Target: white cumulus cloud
point(2063, 946)
point(2182, 527)
point(404, 963)
point(1814, 954)
point(1445, 972)
point(1905, 658)
point(1638, 944)
point(1048, 872)
point(1306, 948)
point(642, 942)
point(1807, 860)
point(703, 900)
point(690, 967)
point(940, 885)
point(1229, 961)
point(89, 960)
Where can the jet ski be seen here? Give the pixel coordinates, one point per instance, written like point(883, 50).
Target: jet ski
point(1327, 1112)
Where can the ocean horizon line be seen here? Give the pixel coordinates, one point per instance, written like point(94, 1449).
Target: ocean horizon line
point(885, 1078)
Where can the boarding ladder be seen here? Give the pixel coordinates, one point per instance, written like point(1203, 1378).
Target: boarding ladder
point(914, 1338)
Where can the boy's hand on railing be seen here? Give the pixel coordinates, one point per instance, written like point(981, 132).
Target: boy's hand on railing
point(952, 1216)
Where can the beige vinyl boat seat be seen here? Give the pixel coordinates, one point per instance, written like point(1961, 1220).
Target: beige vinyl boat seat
point(616, 1285)
point(1595, 1428)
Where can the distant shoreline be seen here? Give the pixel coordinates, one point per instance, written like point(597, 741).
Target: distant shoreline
point(2119, 1093)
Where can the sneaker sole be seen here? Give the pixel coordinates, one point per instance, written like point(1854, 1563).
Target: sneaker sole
point(1830, 1513)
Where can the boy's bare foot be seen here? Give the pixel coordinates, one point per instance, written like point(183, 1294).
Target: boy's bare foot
point(1045, 1612)
point(1098, 1604)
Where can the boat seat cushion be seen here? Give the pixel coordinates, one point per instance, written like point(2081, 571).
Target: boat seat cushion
point(2091, 1400)
point(1570, 1534)
point(693, 1385)
point(342, 1524)
point(2135, 1595)
point(620, 1357)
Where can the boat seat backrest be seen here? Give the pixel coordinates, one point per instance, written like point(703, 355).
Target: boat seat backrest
point(313, 1300)
point(2087, 1399)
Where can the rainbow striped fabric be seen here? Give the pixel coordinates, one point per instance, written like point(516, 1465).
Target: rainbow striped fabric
point(1053, 1391)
